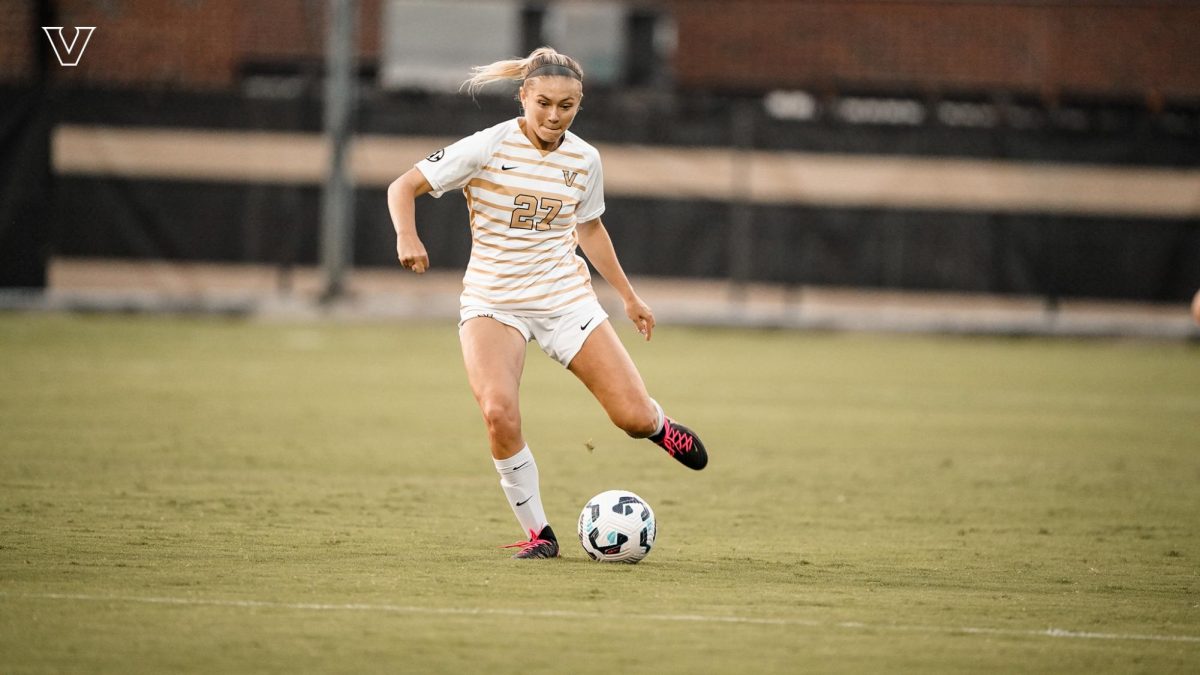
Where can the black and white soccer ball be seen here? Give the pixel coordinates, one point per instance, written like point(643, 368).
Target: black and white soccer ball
point(617, 526)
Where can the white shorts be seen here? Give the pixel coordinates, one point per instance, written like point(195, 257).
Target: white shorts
point(561, 337)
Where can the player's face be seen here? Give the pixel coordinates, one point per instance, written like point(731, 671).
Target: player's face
point(550, 107)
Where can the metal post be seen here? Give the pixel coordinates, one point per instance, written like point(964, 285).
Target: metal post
point(337, 198)
point(741, 213)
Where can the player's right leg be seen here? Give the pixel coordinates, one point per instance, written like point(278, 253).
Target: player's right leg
point(494, 355)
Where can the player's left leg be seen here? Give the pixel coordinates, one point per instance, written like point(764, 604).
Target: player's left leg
point(605, 368)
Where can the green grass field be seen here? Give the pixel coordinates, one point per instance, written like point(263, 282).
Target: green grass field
point(227, 496)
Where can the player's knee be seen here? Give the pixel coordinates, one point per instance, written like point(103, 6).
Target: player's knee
point(637, 421)
point(503, 418)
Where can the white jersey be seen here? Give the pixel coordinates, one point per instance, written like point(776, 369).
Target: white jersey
point(524, 205)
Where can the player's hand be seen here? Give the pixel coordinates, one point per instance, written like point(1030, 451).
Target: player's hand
point(641, 316)
point(412, 255)
point(1196, 308)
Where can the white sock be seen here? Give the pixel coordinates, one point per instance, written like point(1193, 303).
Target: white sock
point(519, 479)
point(662, 418)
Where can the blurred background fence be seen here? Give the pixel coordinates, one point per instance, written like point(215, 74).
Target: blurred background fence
point(1037, 148)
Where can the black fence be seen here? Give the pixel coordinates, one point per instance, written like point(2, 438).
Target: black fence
point(1145, 257)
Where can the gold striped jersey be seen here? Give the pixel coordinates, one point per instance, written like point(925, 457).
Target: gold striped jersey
point(524, 205)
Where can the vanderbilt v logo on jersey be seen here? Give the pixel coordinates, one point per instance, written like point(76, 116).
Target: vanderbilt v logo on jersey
point(569, 177)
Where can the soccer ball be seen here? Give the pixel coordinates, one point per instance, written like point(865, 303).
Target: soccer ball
point(617, 526)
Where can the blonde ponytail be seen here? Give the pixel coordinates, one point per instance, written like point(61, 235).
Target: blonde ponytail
point(517, 70)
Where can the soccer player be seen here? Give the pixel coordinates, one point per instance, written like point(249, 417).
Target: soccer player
point(535, 192)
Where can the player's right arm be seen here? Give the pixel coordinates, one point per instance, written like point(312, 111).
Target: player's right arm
point(401, 198)
point(447, 169)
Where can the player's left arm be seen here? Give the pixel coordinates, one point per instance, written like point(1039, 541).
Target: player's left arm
point(597, 246)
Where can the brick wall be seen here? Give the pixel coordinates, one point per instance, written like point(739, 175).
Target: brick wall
point(16, 40)
point(1130, 47)
point(1087, 46)
point(151, 42)
point(187, 44)
point(279, 31)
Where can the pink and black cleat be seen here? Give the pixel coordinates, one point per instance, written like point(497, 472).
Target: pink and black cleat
point(540, 545)
point(681, 443)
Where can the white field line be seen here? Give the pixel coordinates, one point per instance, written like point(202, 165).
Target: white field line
point(569, 614)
